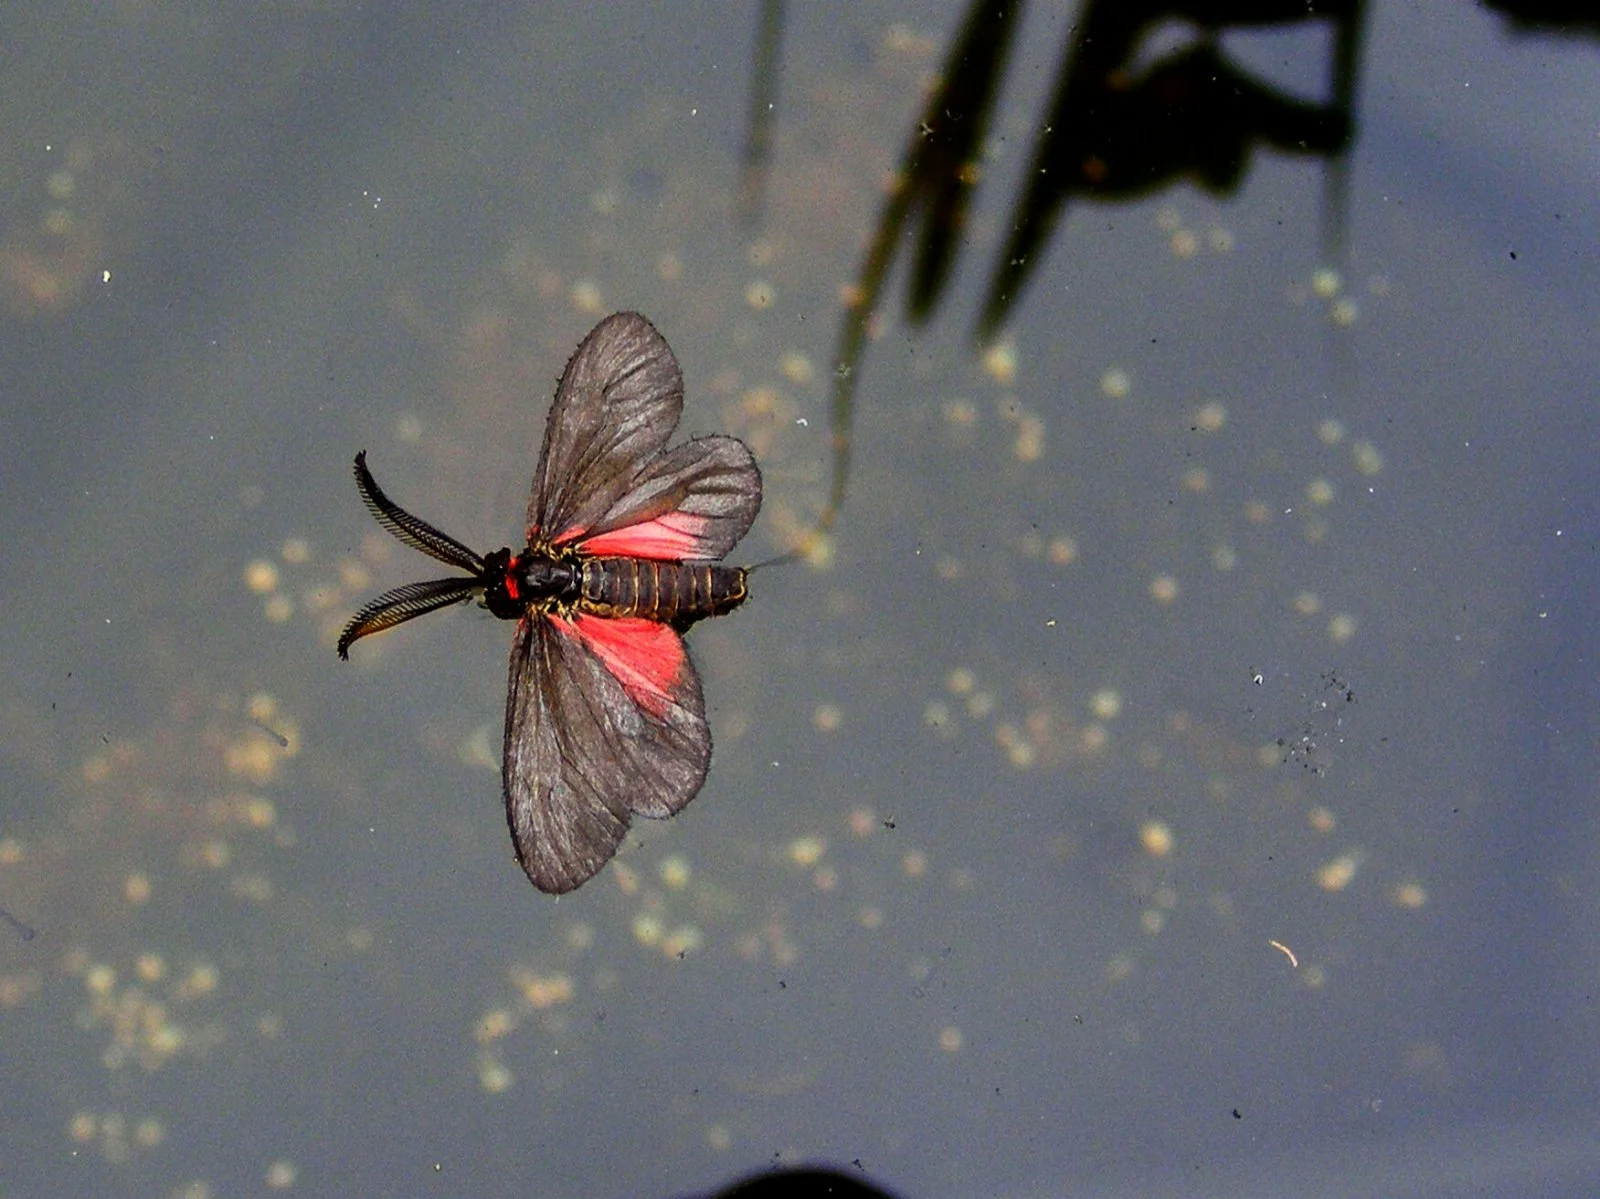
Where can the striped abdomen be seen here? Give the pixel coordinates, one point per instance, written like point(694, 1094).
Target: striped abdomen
point(675, 593)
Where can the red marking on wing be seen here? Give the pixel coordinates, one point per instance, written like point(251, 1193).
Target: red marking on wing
point(646, 656)
point(673, 537)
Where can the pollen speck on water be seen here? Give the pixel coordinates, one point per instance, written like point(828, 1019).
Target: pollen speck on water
point(674, 871)
point(1062, 551)
point(1155, 837)
point(647, 929)
point(281, 1175)
point(1339, 873)
point(760, 294)
point(1000, 361)
point(1410, 895)
point(1164, 589)
point(261, 577)
point(136, 888)
point(1106, 703)
point(806, 851)
point(586, 297)
point(961, 414)
point(1367, 459)
point(796, 367)
point(1029, 445)
point(1325, 283)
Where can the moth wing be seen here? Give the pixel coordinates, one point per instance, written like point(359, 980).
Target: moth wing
point(604, 720)
point(692, 502)
point(616, 406)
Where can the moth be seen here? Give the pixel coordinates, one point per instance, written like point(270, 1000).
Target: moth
point(605, 719)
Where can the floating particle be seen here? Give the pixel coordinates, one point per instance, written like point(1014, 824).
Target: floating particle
point(669, 268)
point(826, 718)
point(1116, 383)
point(1319, 492)
point(719, 1138)
point(796, 367)
point(1000, 361)
point(1062, 551)
point(1106, 703)
point(674, 871)
point(1029, 445)
point(296, 551)
point(408, 429)
point(960, 681)
point(261, 577)
point(1221, 241)
point(1164, 589)
point(1325, 283)
point(1307, 603)
point(682, 941)
point(1410, 895)
point(806, 851)
point(100, 979)
point(1339, 873)
point(1211, 417)
point(1366, 457)
point(586, 297)
point(494, 1076)
point(281, 1175)
point(1196, 480)
point(1155, 837)
point(1184, 243)
point(960, 413)
point(1330, 432)
point(647, 929)
point(760, 294)
point(1224, 557)
point(136, 888)
point(950, 1038)
point(1341, 628)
